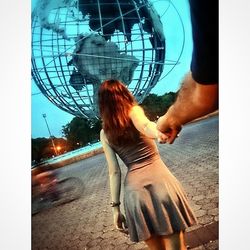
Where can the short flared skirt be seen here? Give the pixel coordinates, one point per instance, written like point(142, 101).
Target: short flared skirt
point(155, 202)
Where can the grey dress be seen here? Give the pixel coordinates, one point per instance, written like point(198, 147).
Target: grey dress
point(154, 200)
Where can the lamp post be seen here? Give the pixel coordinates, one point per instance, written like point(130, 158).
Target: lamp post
point(53, 144)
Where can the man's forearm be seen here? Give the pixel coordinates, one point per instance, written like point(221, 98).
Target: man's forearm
point(194, 100)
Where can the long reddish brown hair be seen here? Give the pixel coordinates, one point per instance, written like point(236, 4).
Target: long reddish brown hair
point(115, 102)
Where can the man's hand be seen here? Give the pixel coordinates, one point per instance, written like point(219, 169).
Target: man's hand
point(161, 137)
point(171, 129)
point(193, 101)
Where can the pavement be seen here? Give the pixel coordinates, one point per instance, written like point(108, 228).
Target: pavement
point(86, 223)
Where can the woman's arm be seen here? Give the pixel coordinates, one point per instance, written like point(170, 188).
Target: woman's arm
point(115, 182)
point(113, 168)
point(144, 125)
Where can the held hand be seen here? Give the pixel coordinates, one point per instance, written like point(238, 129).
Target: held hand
point(170, 129)
point(161, 137)
point(120, 222)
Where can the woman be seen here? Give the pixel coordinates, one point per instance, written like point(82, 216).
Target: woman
point(155, 204)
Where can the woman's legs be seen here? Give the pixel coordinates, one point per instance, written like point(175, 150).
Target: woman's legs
point(155, 243)
point(174, 242)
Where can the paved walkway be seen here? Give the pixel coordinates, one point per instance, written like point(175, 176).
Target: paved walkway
point(87, 223)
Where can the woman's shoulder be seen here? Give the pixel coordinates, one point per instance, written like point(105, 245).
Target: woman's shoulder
point(103, 137)
point(102, 134)
point(135, 110)
point(136, 107)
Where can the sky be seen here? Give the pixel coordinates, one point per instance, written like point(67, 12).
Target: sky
point(57, 118)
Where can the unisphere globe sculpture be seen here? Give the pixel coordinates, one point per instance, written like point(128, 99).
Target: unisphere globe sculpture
point(78, 44)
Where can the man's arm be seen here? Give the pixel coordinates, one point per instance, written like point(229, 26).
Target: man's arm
point(194, 100)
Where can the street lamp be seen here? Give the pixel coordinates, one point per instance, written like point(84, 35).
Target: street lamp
point(53, 144)
point(58, 148)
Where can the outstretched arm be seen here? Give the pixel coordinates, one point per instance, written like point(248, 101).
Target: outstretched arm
point(194, 100)
point(114, 180)
point(144, 125)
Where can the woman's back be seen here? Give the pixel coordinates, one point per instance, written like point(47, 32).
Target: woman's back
point(140, 152)
point(154, 200)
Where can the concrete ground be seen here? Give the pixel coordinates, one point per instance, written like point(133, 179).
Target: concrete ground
point(87, 224)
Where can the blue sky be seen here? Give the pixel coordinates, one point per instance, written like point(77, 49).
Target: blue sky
point(56, 117)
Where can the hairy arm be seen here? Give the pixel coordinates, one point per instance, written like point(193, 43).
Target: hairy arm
point(194, 100)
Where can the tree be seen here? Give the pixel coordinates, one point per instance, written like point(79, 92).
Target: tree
point(42, 148)
point(155, 105)
point(81, 131)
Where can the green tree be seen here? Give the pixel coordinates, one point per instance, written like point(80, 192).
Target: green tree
point(42, 148)
point(155, 105)
point(81, 131)
point(39, 149)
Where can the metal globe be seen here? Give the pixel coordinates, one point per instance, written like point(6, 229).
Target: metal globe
point(78, 44)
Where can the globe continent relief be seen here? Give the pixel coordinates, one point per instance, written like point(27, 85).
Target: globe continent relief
point(76, 45)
